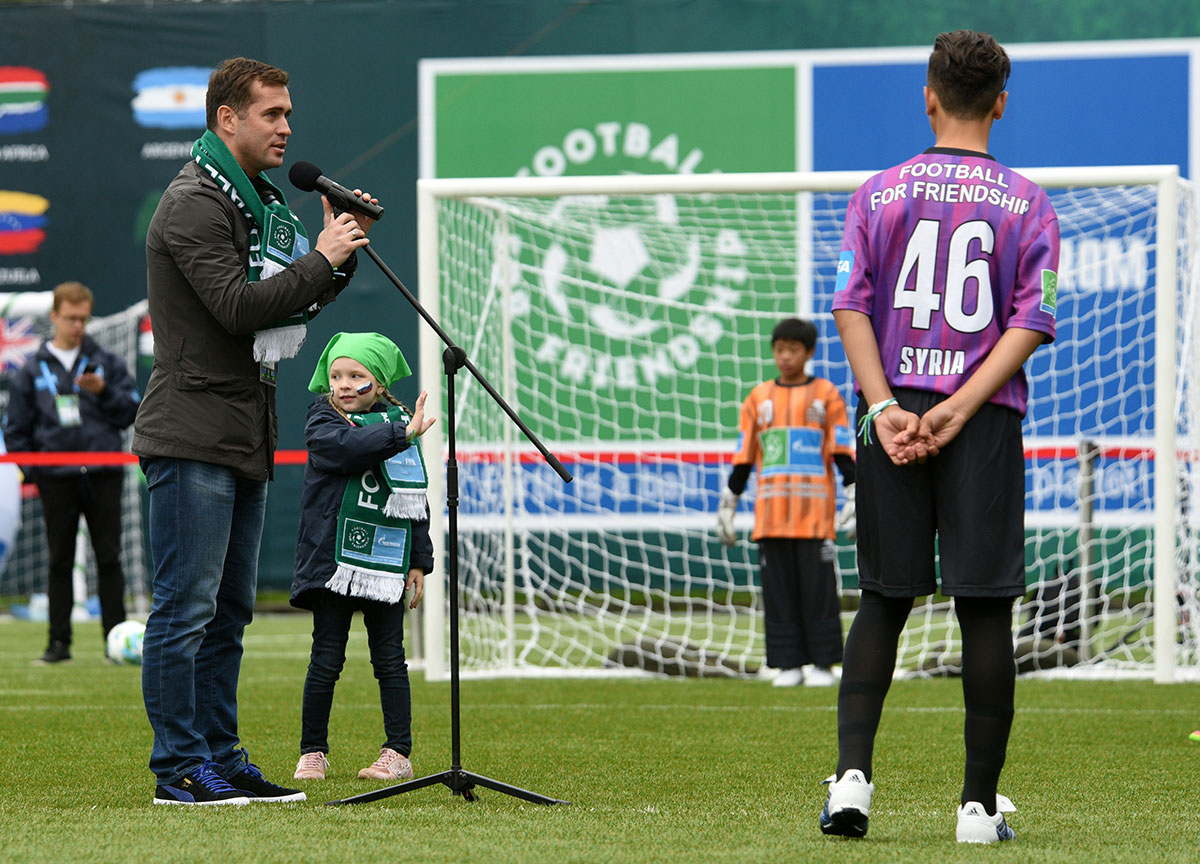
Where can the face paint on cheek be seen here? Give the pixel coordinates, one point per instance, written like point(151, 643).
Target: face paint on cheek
point(366, 388)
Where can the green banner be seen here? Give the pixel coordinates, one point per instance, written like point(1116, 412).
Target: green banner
point(668, 121)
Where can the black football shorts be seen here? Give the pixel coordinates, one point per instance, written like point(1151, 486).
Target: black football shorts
point(959, 516)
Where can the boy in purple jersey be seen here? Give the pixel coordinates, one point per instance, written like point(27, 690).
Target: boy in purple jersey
point(946, 285)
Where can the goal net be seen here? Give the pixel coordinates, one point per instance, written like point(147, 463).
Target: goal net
point(626, 318)
point(26, 324)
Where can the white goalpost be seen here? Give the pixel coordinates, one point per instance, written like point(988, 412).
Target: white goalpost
point(625, 318)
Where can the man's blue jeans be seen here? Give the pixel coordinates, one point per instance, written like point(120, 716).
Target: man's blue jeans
point(206, 526)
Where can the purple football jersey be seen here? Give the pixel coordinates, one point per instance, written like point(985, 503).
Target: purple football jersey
point(945, 252)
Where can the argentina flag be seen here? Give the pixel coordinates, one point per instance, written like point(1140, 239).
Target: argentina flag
point(170, 97)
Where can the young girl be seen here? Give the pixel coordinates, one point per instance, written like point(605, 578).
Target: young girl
point(363, 539)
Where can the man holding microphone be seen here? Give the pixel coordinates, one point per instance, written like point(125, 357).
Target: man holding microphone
point(231, 281)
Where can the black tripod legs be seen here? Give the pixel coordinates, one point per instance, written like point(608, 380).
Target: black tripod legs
point(411, 785)
point(458, 781)
point(496, 785)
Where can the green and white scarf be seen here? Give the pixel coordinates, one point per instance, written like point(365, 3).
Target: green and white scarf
point(277, 238)
point(374, 523)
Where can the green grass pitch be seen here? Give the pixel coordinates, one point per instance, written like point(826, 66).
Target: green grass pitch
point(657, 770)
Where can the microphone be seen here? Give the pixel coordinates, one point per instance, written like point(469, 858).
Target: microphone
point(308, 177)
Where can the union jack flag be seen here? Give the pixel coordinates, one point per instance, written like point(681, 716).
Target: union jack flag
point(18, 341)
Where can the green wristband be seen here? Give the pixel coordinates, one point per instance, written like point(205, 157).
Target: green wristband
point(864, 425)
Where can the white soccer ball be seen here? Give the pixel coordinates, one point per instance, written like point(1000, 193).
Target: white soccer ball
point(125, 642)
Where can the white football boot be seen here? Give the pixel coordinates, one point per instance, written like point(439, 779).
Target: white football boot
point(848, 805)
point(976, 826)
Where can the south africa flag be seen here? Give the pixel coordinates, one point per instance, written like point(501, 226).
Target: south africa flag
point(22, 100)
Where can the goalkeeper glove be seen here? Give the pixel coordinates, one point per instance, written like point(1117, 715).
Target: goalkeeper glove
point(846, 522)
point(725, 510)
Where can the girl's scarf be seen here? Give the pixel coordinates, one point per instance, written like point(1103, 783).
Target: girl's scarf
point(374, 523)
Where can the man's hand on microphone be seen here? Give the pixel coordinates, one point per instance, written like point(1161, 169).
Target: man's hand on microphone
point(341, 235)
point(364, 222)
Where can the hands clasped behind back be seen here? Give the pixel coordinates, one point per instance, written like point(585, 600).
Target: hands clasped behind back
point(907, 438)
point(898, 433)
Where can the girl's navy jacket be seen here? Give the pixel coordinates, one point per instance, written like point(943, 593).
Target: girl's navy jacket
point(336, 450)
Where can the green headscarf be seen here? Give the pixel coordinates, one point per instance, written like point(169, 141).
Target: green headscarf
point(377, 353)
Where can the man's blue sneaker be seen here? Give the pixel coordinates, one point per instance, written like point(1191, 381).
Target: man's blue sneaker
point(251, 783)
point(201, 785)
point(848, 806)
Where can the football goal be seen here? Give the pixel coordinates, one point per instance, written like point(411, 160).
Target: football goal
point(626, 318)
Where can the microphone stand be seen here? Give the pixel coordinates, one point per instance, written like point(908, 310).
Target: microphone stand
point(459, 781)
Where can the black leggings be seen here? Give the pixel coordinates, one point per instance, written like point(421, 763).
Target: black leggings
point(332, 614)
point(988, 680)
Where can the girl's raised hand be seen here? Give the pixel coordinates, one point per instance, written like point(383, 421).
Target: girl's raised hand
point(419, 424)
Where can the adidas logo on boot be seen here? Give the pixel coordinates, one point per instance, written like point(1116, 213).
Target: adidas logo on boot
point(848, 805)
point(976, 826)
